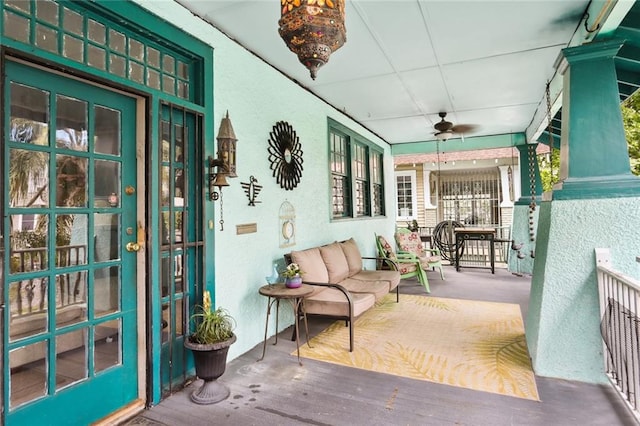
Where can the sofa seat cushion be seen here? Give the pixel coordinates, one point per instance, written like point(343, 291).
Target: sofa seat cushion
point(352, 253)
point(335, 262)
point(378, 288)
point(312, 266)
point(333, 302)
point(391, 277)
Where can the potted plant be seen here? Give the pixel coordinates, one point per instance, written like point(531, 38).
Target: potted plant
point(293, 276)
point(209, 344)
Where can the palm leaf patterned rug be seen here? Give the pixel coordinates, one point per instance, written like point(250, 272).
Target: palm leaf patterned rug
point(470, 344)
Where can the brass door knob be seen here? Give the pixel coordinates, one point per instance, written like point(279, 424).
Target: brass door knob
point(131, 246)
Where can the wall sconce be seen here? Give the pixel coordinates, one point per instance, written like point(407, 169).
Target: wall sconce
point(226, 160)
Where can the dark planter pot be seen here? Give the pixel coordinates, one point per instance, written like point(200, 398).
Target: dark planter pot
point(210, 361)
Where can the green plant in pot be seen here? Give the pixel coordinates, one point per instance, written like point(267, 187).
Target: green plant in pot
point(209, 343)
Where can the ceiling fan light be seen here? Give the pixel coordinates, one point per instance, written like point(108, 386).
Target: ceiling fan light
point(443, 136)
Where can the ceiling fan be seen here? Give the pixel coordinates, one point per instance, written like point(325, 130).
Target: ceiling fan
point(445, 129)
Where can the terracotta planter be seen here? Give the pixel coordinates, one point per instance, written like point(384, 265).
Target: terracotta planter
point(210, 361)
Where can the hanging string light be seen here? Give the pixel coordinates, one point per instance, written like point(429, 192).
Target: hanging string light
point(313, 30)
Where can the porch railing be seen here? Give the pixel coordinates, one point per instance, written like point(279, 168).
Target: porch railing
point(28, 296)
point(620, 327)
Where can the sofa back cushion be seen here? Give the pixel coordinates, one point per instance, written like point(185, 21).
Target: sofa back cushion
point(352, 253)
point(312, 265)
point(335, 261)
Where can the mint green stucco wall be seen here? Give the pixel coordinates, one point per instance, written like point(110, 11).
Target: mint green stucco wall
point(520, 234)
point(257, 96)
point(562, 325)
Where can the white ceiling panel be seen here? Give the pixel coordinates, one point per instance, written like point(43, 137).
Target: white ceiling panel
point(482, 62)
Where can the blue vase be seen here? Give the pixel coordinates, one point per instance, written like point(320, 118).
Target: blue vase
point(293, 282)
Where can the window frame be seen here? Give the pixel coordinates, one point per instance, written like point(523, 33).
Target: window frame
point(359, 177)
point(414, 195)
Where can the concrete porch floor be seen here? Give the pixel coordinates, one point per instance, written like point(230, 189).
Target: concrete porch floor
point(277, 391)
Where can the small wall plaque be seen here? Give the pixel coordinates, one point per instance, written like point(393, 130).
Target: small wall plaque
point(246, 228)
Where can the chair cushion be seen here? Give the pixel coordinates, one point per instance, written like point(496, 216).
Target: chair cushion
point(352, 253)
point(378, 288)
point(333, 302)
point(312, 265)
point(391, 277)
point(386, 248)
point(410, 242)
point(335, 262)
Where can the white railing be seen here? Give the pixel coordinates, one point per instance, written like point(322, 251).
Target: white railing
point(620, 327)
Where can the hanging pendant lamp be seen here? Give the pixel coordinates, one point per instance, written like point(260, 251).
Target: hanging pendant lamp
point(313, 30)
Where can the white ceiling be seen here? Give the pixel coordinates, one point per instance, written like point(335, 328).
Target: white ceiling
point(484, 62)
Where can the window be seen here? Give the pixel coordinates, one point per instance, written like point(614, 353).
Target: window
point(356, 175)
point(406, 192)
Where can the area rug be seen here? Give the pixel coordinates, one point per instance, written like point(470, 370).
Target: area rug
point(464, 343)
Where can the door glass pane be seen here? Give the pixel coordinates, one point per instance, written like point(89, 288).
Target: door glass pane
point(107, 345)
point(107, 183)
point(71, 179)
point(71, 122)
point(28, 311)
point(71, 298)
point(46, 38)
point(106, 296)
point(166, 141)
point(28, 178)
point(28, 373)
point(179, 318)
point(47, 10)
point(29, 115)
point(71, 358)
point(165, 185)
point(178, 227)
point(106, 237)
point(107, 131)
point(166, 276)
point(179, 148)
point(166, 322)
point(71, 239)
point(178, 273)
point(178, 198)
point(16, 27)
point(28, 243)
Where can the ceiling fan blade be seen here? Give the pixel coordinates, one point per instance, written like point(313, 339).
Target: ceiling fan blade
point(464, 128)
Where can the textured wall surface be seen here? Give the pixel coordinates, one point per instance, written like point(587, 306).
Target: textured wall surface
point(562, 325)
point(257, 96)
point(520, 234)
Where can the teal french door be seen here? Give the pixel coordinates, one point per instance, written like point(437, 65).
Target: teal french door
point(69, 318)
point(181, 236)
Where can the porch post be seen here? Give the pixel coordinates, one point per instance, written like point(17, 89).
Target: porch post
point(594, 205)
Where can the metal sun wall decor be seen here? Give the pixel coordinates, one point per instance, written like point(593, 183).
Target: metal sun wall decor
point(252, 190)
point(285, 155)
point(313, 30)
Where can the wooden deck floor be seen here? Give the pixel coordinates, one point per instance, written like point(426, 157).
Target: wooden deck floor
point(277, 391)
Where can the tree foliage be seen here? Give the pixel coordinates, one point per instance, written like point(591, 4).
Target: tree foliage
point(631, 120)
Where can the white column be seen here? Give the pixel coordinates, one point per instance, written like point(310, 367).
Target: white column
point(504, 180)
point(426, 184)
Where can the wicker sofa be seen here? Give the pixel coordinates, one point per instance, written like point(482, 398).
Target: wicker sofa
point(343, 289)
